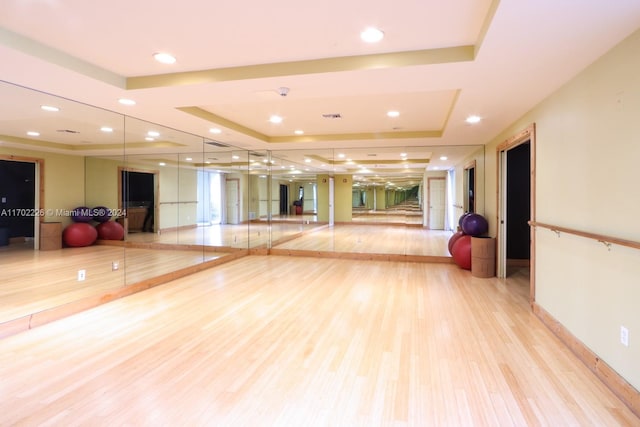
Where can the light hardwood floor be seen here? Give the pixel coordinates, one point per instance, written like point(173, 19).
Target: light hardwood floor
point(360, 237)
point(285, 341)
point(34, 281)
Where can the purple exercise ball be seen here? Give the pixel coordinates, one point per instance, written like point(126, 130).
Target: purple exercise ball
point(82, 214)
point(101, 214)
point(475, 225)
point(462, 217)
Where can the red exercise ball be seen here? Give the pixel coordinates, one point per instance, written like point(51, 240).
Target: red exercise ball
point(79, 234)
point(461, 252)
point(453, 239)
point(110, 230)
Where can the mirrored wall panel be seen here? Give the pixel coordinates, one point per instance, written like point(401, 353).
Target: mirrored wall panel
point(94, 203)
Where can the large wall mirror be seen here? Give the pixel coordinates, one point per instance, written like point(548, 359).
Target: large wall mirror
point(184, 202)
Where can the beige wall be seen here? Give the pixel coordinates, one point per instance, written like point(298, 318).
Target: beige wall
point(380, 198)
point(101, 180)
point(343, 198)
point(587, 152)
point(323, 197)
point(177, 190)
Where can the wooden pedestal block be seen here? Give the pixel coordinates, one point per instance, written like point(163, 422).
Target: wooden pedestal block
point(483, 257)
point(50, 236)
point(135, 219)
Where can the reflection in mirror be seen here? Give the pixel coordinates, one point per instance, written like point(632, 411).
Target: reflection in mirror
point(43, 139)
point(406, 197)
point(402, 201)
point(469, 186)
point(177, 223)
point(183, 201)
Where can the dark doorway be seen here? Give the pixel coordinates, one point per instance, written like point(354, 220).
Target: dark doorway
point(138, 198)
point(284, 199)
point(518, 204)
point(17, 198)
point(470, 187)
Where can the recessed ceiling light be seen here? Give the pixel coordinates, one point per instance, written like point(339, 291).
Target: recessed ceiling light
point(149, 139)
point(33, 133)
point(371, 35)
point(125, 101)
point(162, 164)
point(153, 133)
point(234, 157)
point(443, 157)
point(403, 154)
point(49, 108)
point(393, 113)
point(188, 159)
point(106, 129)
point(298, 132)
point(215, 130)
point(307, 160)
point(165, 58)
point(275, 119)
point(341, 155)
point(473, 119)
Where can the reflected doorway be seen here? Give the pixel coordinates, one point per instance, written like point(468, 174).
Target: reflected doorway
point(470, 187)
point(209, 210)
point(284, 199)
point(232, 201)
point(138, 198)
point(18, 219)
point(436, 203)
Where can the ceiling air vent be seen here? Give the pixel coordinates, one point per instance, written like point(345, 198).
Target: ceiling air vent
point(332, 116)
point(67, 131)
point(216, 144)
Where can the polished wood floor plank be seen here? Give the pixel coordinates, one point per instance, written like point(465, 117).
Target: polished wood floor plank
point(280, 341)
point(34, 281)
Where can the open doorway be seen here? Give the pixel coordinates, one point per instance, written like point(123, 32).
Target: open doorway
point(284, 200)
point(20, 204)
point(470, 187)
point(138, 190)
point(516, 206)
